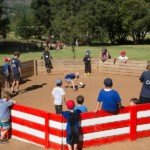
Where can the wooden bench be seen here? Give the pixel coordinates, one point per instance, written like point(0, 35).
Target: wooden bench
point(132, 67)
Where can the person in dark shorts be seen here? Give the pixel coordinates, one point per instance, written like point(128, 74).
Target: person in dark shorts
point(72, 128)
point(47, 59)
point(87, 63)
point(145, 91)
point(16, 72)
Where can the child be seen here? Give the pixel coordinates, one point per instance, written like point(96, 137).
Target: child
point(122, 57)
point(7, 72)
point(87, 62)
point(104, 55)
point(58, 95)
point(80, 101)
point(5, 104)
point(111, 101)
point(48, 63)
point(134, 101)
point(72, 125)
point(70, 78)
point(16, 71)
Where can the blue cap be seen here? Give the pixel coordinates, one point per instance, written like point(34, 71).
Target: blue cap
point(88, 52)
point(58, 81)
point(108, 82)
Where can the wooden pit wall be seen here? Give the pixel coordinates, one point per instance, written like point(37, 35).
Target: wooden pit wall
point(65, 66)
point(27, 68)
point(131, 68)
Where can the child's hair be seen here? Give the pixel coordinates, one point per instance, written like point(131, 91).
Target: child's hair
point(17, 53)
point(134, 100)
point(148, 66)
point(80, 99)
point(6, 94)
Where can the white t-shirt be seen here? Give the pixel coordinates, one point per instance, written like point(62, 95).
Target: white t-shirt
point(57, 93)
point(123, 58)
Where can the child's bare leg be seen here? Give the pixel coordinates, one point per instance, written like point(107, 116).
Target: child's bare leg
point(3, 134)
point(75, 146)
point(69, 147)
point(17, 86)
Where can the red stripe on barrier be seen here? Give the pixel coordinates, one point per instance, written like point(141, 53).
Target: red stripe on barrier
point(28, 137)
point(55, 132)
point(29, 110)
point(103, 127)
point(143, 107)
point(143, 120)
point(55, 146)
point(28, 124)
point(55, 117)
point(100, 141)
point(143, 133)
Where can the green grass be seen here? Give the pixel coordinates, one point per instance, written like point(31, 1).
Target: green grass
point(134, 52)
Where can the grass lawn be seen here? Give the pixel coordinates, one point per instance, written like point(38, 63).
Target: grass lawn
point(134, 52)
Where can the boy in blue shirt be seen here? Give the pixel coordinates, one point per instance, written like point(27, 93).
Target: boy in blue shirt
point(80, 107)
point(70, 78)
point(16, 72)
point(110, 99)
point(7, 72)
point(72, 128)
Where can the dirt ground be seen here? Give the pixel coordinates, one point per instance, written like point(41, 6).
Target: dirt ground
point(36, 92)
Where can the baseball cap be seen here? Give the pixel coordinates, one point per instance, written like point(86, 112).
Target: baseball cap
point(6, 59)
point(123, 53)
point(108, 82)
point(58, 81)
point(70, 104)
point(88, 52)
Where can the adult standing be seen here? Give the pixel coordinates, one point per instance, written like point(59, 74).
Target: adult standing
point(16, 72)
point(145, 91)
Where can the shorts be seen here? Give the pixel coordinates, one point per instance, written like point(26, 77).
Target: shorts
point(143, 100)
point(7, 78)
point(5, 125)
point(16, 77)
point(58, 109)
point(68, 80)
point(72, 138)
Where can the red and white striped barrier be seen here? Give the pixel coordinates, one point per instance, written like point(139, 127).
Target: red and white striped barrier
point(48, 129)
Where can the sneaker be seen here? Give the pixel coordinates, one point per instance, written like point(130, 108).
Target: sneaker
point(4, 141)
point(88, 73)
point(85, 74)
point(17, 92)
point(13, 92)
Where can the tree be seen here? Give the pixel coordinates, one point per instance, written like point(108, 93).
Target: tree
point(4, 22)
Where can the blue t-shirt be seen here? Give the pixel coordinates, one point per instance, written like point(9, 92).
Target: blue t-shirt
point(70, 76)
point(109, 99)
point(75, 123)
point(5, 109)
point(6, 67)
point(15, 65)
point(81, 108)
point(145, 79)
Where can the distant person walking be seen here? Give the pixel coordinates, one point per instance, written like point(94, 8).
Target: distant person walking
point(16, 72)
point(47, 59)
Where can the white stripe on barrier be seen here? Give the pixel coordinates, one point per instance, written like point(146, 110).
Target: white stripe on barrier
point(107, 119)
point(94, 135)
point(103, 134)
point(23, 140)
point(143, 127)
point(55, 139)
point(28, 130)
point(28, 117)
point(89, 122)
point(145, 113)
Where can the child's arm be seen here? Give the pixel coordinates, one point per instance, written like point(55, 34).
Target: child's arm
point(97, 107)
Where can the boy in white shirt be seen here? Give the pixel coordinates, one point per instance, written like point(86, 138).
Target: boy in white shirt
point(58, 95)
